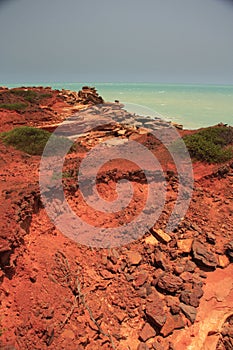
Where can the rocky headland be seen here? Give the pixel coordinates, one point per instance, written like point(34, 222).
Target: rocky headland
point(163, 291)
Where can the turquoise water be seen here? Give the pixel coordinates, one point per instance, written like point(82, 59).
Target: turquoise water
point(193, 106)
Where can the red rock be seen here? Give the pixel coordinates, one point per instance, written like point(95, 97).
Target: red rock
point(189, 298)
point(120, 315)
point(169, 326)
point(190, 266)
point(185, 245)
point(155, 310)
point(178, 269)
point(140, 279)
point(142, 346)
point(151, 240)
point(134, 257)
point(189, 311)
point(161, 235)
point(106, 274)
point(160, 259)
point(170, 283)
point(158, 346)
point(202, 255)
point(187, 277)
point(147, 332)
point(179, 321)
point(223, 261)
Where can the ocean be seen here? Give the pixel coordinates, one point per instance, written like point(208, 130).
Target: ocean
point(193, 106)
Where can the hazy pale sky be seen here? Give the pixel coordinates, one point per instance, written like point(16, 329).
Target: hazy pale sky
point(116, 41)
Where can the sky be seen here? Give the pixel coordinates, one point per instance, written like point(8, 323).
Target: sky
point(170, 41)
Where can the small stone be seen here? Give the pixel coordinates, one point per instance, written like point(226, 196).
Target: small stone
point(168, 327)
point(190, 266)
point(197, 290)
point(179, 321)
point(68, 334)
point(210, 238)
point(178, 269)
point(170, 283)
point(140, 279)
point(106, 274)
point(161, 235)
point(134, 257)
point(113, 256)
point(223, 261)
point(189, 298)
point(120, 315)
point(48, 314)
point(187, 276)
point(189, 311)
point(159, 259)
point(175, 309)
point(158, 346)
point(185, 245)
point(203, 256)
point(151, 240)
point(147, 332)
point(155, 310)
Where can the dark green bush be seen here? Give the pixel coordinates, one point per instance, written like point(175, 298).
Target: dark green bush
point(210, 144)
point(46, 95)
point(14, 106)
point(30, 95)
point(32, 140)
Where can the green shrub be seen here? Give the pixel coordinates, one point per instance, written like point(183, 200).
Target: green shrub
point(30, 95)
point(14, 106)
point(32, 140)
point(210, 144)
point(46, 95)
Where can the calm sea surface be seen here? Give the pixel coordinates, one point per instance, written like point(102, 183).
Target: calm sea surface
point(193, 106)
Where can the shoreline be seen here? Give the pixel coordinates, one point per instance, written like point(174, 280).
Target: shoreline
point(189, 105)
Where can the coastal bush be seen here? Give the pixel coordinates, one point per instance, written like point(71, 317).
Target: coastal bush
point(211, 144)
point(32, 140)
point(29, 95)
point(14, 106)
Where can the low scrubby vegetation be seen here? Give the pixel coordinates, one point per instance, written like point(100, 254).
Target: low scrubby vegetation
point(32, 140)
point(29, 95)
point(14, 106)
point(213, 144)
